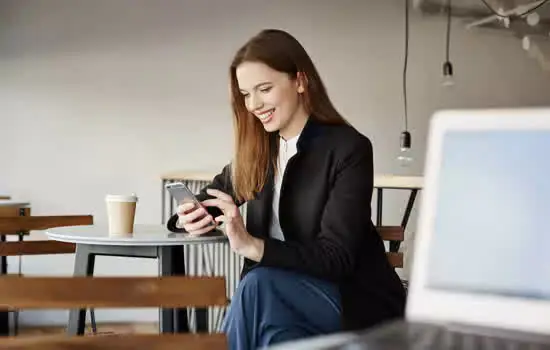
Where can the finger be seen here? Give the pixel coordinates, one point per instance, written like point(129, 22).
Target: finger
point(185, 207)
point(194, 226)
point(220, 218)
point(203, 230)
point(192, 216)
point(219, 194)
point(215, 202)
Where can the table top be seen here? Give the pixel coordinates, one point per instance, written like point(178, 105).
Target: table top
point(398, 182)
point(144, 235)
point(10, 203)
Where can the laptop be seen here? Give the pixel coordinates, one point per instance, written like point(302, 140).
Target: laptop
point(481, 271)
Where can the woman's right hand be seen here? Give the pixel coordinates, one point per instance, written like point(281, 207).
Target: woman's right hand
point(195, 220)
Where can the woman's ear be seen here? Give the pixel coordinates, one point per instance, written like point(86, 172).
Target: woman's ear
point(301, 81)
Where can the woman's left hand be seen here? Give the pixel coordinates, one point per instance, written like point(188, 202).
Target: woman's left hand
point(241, 242)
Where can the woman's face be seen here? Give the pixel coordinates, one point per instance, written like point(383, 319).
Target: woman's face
point(272, 97)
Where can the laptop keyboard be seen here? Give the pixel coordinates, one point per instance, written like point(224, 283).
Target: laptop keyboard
point(439, 338)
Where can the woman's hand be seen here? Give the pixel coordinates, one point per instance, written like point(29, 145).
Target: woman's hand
point(195, 220)
point(240, 240)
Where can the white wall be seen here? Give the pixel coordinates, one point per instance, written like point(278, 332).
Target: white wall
point(103, 96)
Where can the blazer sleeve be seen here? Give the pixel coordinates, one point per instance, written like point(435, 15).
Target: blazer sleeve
point(345, 223)
point(221, 182)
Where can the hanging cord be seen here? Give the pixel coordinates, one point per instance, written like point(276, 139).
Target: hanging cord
point(520, 15)
point(448, 44)
point(405, 66)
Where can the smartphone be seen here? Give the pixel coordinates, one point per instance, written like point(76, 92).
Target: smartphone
point(182, 194)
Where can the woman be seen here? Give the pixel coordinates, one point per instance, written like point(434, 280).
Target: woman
point(314, 263)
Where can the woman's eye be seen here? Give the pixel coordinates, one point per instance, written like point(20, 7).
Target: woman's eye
point(245, 96)
point(266, 89)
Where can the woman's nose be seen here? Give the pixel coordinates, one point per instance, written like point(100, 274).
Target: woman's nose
point(254, 103)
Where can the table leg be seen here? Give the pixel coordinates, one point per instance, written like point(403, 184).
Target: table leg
point(408, 210)
point(394, 245)
point(84, 266)
point(172, 263)
point(4, 314)
point(379, 198)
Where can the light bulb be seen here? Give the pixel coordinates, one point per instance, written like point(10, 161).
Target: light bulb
point(405, 156)
point(448, 78)
point(533, 19)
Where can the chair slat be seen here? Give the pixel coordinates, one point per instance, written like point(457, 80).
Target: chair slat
point(396, 259)
point(97, 292)
point(391, 233)
point(122, 342)
point(35, 248)
point(11, 225)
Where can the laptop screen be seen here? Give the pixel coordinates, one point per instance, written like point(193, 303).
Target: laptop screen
point(492, 216)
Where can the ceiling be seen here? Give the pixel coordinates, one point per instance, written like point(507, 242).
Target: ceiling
point(475, 14)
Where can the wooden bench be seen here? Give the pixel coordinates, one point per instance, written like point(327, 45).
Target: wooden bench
point(115, 292)
point(13, 224)
point(22, 225)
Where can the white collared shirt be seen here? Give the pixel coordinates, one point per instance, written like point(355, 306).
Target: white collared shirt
point(287, 149)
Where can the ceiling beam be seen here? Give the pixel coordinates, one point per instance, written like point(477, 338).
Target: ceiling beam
point(438, 8)
point(511, 12)
point(483, 18)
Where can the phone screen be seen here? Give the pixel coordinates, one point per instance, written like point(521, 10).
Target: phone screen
point(182, 194)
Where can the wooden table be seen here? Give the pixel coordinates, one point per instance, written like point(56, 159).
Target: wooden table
point(9, 208)
point(148, 241)
point(396, 182)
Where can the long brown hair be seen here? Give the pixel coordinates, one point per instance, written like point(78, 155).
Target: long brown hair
point(254, 152)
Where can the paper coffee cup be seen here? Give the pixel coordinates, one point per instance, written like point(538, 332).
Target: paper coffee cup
point(121, 212)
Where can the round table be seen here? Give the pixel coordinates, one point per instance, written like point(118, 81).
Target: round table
point(148, 241)
point(144, 235)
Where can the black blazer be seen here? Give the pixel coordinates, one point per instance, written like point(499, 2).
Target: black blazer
point(325, 215)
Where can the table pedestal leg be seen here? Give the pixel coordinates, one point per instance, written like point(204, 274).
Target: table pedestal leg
point(4, 315)
point(84, 266)
point(172, 263)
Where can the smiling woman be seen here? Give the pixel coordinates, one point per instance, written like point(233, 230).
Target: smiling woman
point(314, 262)
point(274, 79)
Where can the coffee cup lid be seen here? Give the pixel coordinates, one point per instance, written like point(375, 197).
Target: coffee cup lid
point(121, 198)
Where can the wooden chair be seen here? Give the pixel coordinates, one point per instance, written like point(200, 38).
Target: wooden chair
point(114, 292)
point(22, 225)
point(393, 234)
